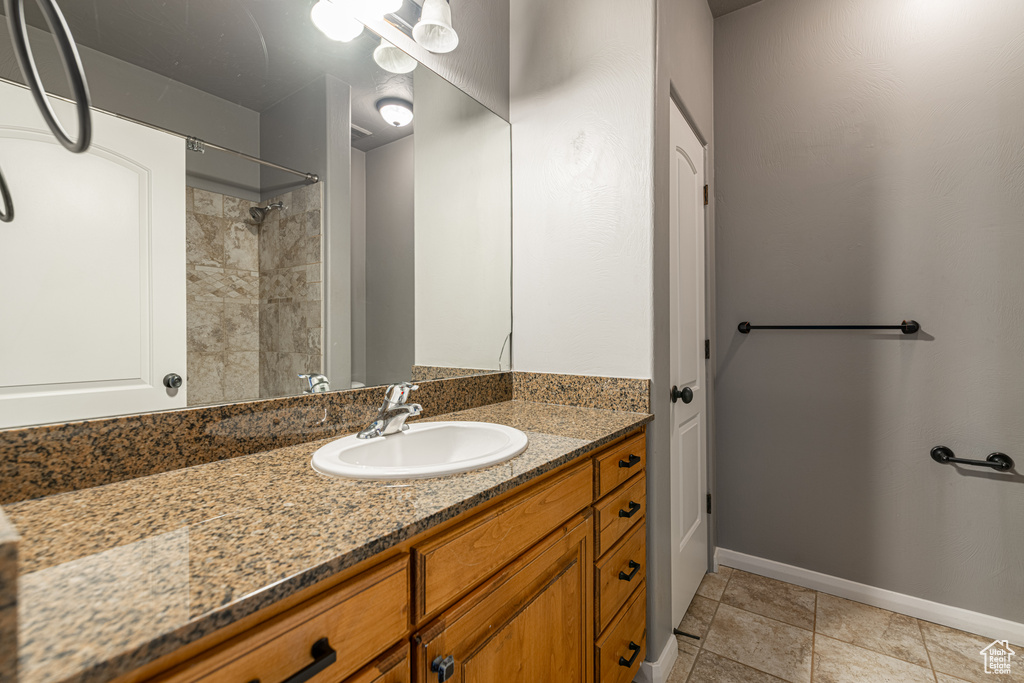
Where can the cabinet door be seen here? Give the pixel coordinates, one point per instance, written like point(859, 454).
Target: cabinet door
point(531, 622)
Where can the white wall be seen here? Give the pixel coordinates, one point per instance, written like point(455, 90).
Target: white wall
point(870, 165)
point(582, 94)
point(463, 228)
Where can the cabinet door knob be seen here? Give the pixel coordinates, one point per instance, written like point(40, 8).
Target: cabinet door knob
point(444, 667)
point(173, 381)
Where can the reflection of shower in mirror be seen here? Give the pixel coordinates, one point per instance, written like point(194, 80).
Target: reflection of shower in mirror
point(260, 214)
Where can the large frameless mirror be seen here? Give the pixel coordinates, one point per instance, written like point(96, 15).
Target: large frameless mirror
point(264, 211)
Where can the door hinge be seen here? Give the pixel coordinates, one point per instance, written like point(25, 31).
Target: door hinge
point(709, 503)
point(705, 195)
point(707, 349)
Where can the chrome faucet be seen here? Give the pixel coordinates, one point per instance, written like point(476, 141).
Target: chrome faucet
point(394, 412)
point(314, 384)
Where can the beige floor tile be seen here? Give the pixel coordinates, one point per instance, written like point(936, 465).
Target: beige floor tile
point(698, 616)
point(767, 645)
point(710, 668)
point(839, 662)
point(713, 584)
point(892, 634)
point(770, 598)
point(959, 654)
point(943, 678)
point(684, 662)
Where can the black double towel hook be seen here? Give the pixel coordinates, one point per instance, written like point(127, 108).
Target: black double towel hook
point(997, 461)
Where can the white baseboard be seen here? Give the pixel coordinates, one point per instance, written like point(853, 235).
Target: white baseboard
point(658, 671)
point(954, 617)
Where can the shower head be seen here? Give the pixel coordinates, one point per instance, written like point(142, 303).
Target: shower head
point(259, 214)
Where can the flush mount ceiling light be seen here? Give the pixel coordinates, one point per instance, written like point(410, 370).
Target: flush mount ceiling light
point(434, 30)
point(390, 58)
point(335, 20)
point(396, 112)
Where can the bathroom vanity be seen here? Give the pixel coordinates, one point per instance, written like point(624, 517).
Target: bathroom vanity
point(536, 566)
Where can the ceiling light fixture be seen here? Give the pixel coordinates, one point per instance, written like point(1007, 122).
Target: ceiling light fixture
point(396, 112)
point(383, 7)
point(335, 21)
point(434, 31)
point(390, 58)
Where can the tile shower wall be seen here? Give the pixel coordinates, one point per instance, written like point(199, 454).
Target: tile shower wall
point(291, 293)
point(222, 298)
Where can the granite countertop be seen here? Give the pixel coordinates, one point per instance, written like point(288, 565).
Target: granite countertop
point(116, 576)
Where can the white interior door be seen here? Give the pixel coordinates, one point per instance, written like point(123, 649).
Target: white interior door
point(688, 453)
point(92, 270)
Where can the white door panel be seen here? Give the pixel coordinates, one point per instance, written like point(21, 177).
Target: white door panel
point(686, 301)
point(92, 281)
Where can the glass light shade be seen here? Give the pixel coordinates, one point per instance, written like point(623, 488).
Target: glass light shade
point(434, 30)
point(386, 6)
point(390, 58)
point(335, 21)
point(396, 112)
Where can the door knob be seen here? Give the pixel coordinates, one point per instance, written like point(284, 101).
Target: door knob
point(173, 381)
point(686, 394)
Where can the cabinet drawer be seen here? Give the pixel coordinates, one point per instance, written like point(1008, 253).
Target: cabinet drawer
point(621, 649)
point(452, 563)
point(619, 511)
point(394, 666)
point(621, 570)
point(359, 619)
point(619, 464)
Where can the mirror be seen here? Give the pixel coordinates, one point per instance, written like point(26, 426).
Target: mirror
point(263, 212)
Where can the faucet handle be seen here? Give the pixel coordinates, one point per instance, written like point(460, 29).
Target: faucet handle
point(398, 394)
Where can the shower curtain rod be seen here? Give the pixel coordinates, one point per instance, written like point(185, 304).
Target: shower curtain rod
point(192, 143)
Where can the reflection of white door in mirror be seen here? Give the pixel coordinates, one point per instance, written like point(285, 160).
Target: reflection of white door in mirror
point(92, 298)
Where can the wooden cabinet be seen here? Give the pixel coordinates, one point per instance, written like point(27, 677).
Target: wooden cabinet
point(531, 622)
point(394, 666)
point(546, 583)
point(459, 559)
point(334, 634)
point(620, 570)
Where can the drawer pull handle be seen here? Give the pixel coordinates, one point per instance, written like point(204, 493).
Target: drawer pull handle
point(635, 566)
point(634, 508)
point(629, 662)
point(323, 657)
point(633, 460)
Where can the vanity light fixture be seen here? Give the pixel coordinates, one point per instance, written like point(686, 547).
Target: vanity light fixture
point(434, 31)
point(390, 58)
point(335, 20)
point(396, 112)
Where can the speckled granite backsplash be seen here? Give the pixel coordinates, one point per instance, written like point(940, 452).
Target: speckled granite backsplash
point(40, 461)
point(8, 600)
point(585, 391)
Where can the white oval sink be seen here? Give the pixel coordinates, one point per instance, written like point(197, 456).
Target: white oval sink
point(429, 449)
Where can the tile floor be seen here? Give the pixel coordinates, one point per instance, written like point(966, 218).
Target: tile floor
point(759, 630)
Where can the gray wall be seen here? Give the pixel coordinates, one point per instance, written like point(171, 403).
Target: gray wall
point(358, 266)
point(126, 89)
point(869, 169)
point(390, 263)
point(310, 130)
point(685, 32)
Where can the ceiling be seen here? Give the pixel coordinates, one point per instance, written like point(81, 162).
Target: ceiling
point(720, 7)
point(251, 52)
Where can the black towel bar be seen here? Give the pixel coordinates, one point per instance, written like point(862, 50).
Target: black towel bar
point(997, 461)
point(906, 327)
